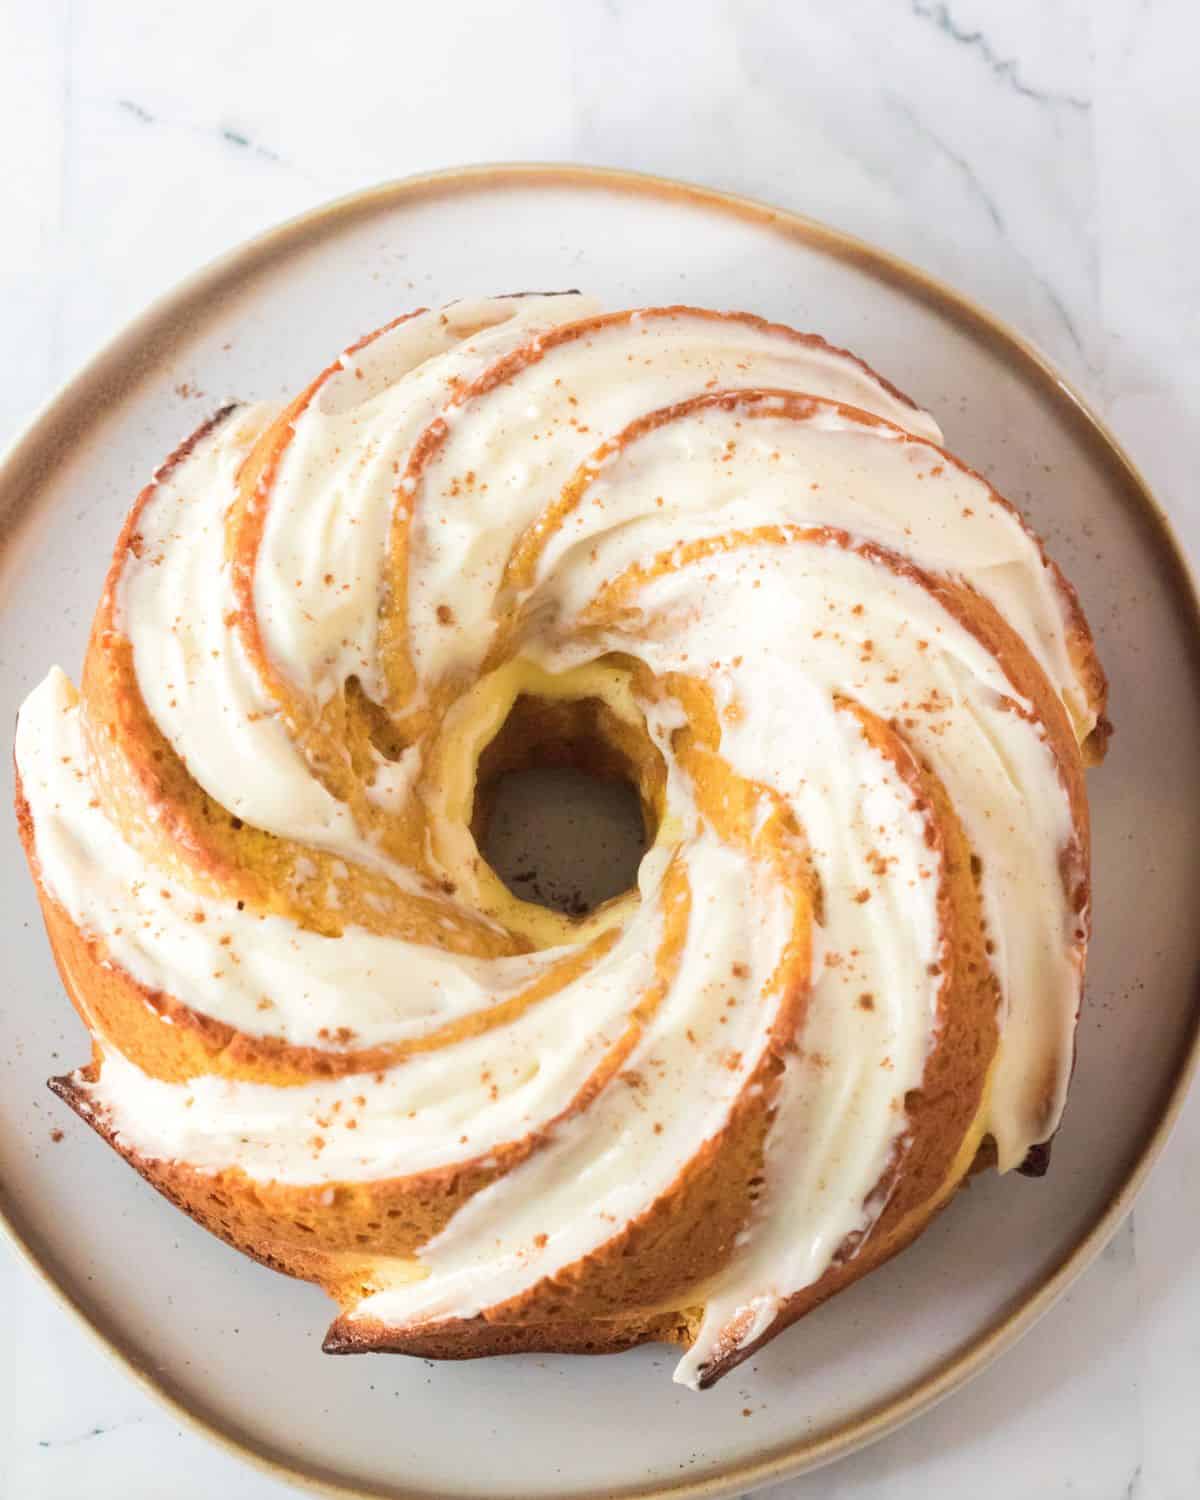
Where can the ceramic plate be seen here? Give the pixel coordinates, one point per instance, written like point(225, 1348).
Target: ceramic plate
point(237, 1349)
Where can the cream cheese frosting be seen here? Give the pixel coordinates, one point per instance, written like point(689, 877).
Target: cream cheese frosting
point(537, 457)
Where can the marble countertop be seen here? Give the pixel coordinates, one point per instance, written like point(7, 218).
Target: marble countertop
point(1038, 154)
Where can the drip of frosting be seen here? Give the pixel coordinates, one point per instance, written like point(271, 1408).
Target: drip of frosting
point(320, 567)
point(215, 956)
point(713, 469)
point(176, 603)
point(523, 439)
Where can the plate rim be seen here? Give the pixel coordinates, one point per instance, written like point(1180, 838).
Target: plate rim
point(130, 356)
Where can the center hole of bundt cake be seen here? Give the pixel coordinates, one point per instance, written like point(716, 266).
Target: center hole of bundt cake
point(565, 803)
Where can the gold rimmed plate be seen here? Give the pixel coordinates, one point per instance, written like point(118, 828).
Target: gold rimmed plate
point(236, 1350)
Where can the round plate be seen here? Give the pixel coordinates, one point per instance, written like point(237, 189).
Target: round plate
point(235, 1348)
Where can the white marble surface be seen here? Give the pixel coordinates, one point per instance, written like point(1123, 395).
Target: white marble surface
point(1039, 154)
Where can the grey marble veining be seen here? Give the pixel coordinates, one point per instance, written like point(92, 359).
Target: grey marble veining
point(1039, 154)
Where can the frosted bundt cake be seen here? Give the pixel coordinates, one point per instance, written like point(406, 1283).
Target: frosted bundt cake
point(696, 551)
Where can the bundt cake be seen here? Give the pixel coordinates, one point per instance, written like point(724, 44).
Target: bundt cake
point(705, 554)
